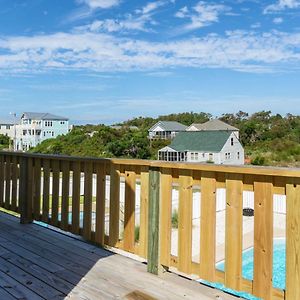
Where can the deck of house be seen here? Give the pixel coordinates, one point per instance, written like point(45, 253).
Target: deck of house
point(81, 199)
point(40, 263)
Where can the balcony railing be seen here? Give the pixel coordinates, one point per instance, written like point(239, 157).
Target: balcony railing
point(84, 196)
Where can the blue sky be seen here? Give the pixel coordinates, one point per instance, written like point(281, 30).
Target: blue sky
point(104, 61)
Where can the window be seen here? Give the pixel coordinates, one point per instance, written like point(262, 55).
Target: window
point(62, 122)
point(227, 155)
point(231, 141)
point(52, 133)
point(196, 156)
point(192, 156)
point(203, 155)
point(7, 127)
point(238, 155)
point(211, 156)
point(48, 123)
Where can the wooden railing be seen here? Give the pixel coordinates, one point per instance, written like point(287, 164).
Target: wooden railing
point(49, 189)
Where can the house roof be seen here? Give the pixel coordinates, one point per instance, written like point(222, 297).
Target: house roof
point(215, 124)
point(170, 126)
point(202, 141)
point(42, 116)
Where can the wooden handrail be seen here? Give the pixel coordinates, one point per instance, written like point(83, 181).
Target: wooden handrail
point(245, 169)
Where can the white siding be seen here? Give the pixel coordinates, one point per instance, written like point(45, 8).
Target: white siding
point(232, 154)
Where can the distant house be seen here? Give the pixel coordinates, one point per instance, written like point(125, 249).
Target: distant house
point(37, 127)
point(7, 129)
point(213, 125)
point(219, 147)
point(165, 130)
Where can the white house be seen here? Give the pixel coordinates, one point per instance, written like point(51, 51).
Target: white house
point(165, 130)
point(37, 127)
point(219, 147)
point(213, 125)
point(7, 129)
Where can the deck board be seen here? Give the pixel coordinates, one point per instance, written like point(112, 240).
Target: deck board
point(39, 263)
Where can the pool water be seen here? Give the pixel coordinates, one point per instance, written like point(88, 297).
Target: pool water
point(278, 269)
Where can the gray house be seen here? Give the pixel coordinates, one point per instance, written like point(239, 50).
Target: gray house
point(219, 147)
point(165, 130)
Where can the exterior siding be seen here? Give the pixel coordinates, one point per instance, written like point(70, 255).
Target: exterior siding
point(7, 129)
point(232, 158)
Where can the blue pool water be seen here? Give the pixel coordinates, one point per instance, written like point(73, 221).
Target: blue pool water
point(278, 268)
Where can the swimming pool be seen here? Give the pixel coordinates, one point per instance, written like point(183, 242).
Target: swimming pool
point(278, 269)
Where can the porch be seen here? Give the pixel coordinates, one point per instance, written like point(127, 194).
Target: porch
point(96, 200)
point(40, 263)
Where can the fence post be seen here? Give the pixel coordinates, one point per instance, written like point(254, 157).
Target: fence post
point(153, 221)
point(25, 181)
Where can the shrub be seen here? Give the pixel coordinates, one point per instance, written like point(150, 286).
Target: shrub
point(137, 233)
point(258, 160)
point(175, 219)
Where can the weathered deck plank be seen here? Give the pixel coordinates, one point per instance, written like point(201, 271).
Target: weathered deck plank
point(38, 263)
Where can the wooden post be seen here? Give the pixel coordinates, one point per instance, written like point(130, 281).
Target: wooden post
point(292, 241)
point(25, 181)
point(263, 238)
point(153, 221)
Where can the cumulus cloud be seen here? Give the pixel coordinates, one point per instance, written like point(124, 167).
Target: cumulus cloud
point(203, 14)
point(93, 4)
point(238, 50)
point(282, 5)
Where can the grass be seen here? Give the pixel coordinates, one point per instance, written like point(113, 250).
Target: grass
point(81, 201)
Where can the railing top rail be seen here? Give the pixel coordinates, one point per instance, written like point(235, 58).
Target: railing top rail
point(246, 170)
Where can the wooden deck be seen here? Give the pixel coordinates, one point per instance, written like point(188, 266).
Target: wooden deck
point(39, 263)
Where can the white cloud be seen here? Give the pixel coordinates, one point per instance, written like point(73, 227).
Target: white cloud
point(151, 6)
point(237, 50)
point(111, 25)
point(256, 25)
point(282, 5)
point(93, 4)
point(138, 21)
point(203, 14)
point(277, 20)
point(182, 13)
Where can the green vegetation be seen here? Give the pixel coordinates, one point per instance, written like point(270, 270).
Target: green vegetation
point(136, 233)
point(268, 139)
point(4, 142)
point(175, 218)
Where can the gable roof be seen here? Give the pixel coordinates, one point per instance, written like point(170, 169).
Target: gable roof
point(202, 141)
point(169, 126)
point(42, 116)
point(214, 124)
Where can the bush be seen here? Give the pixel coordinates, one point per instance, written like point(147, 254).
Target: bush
point(258, 161)
point(175, 219)
point(137, 233)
